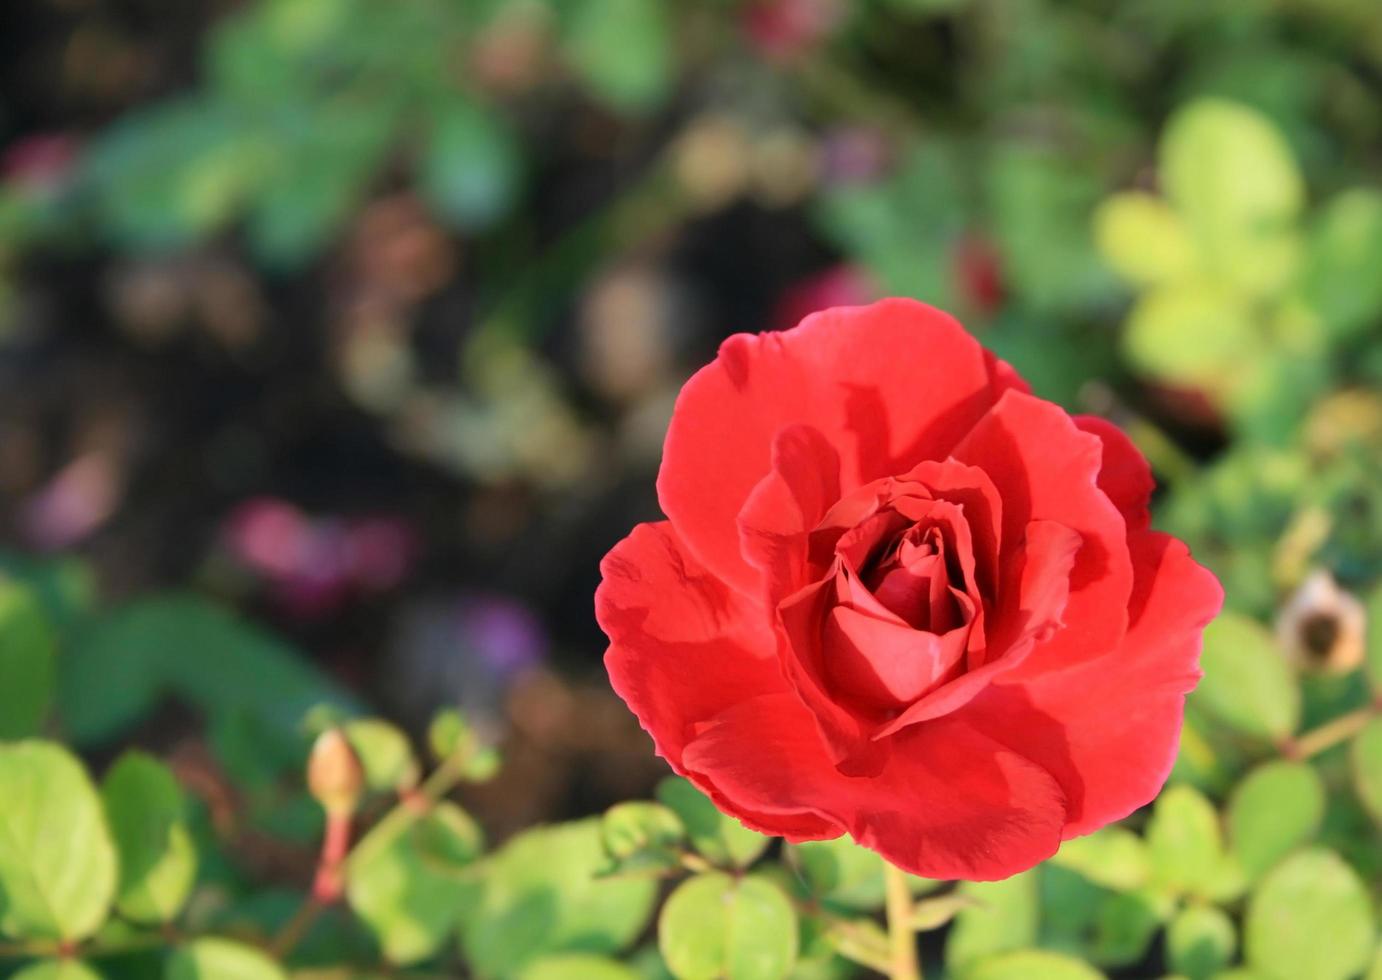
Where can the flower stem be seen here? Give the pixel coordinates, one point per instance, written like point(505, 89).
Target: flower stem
point(1331, 733)
point(902, 939)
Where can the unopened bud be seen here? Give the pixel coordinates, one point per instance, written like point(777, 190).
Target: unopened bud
point(335, 777)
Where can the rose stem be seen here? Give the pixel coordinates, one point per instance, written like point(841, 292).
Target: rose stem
point(901, 935)
point(1330, 734)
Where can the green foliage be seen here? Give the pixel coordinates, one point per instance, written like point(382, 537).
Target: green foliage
point(1032, 965)
point(57, 970)
point(147, 814)
point(1275, 809)
point(1311, 916)
point(1003, 918)
point(1247, 683)
point(471, 166)
point(1367, 768)
point(715, 925)
point(27, 650)
point(221, 959)
point(1200, 941)
point(721, 839)
point(1230, 174)
point(642, 836)
point(541, 894)
point(414, 889)
point(1186, 845)
point(384, 753)
point(1113, 857)
point(121, 663)
point(582, 965)
point(58, 865)
point(845, 875)
point(622, 51)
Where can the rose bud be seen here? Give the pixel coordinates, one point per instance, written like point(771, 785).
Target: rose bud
point(335, 777)
point(900, 598)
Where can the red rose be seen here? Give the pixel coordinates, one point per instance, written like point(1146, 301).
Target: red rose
point(901, 598)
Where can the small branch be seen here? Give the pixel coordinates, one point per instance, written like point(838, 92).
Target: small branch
point(410, 808)
point(296, 929)
point(902, 940)
point(1329, 734)
point(337, 852)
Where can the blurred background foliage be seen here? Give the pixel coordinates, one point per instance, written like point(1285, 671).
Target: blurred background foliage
point(337, 341)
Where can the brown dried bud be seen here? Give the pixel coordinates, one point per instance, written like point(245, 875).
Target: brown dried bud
point(1321, 627)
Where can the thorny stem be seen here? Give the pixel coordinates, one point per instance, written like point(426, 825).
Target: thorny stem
point(902, 939)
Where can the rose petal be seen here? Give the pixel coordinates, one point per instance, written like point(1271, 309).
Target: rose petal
point(683, 649)
point(948, 801)
point(884, 664)
point(1108, 728)
point(1124, 475)
point(1047, 469)
point(1043, 595)
point(787, 503)
point(887, 385)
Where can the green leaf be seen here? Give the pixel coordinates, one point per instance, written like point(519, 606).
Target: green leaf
point(621, 49)
point(64, 969)
point(123, 662)
point(27, 649)
point(1345, 252)
point(1003, 918)
point(1374, 638)
point(845, 875)
point(714, 925)
point(1247, 683)
point(541, 895)
point(1366, 760)
point(1191, 333)
point(221, 959)
point(582, 965)
point(413, 889)
point(158, 861)
point(1143, 239)
point(642, 836)
point(1200, 941)
point(903, 228)
point(384, 753)
point(721, 839)
point(1186, 845)
point(63, 586)
point(471, 166)
point(57, 862)
point(1070, 906)
point(1274, 810)
point(1040, 204)
point(1310, 917)
point(326, 156)
point(1125, 926)
point(1112, 857)
point(166, 175)
point(449, 733)
point(1375, 971)
point(1031, 964)
point(1233, 180)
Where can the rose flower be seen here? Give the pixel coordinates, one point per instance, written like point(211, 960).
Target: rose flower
point(899, 597)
